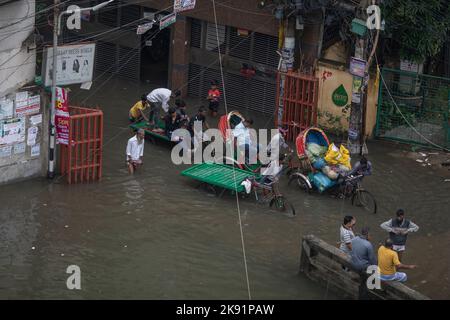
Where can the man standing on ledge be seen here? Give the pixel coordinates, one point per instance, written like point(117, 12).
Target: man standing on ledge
point(159, 98)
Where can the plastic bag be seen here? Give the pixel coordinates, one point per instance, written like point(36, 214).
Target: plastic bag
point(316, 150)
point(337, 156)
point(322, 182)
point(330, 173)
point(319, 164)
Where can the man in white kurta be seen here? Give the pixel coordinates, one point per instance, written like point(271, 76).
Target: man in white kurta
point(135, 151)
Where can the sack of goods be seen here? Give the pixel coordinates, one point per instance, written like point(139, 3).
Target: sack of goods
point(338, 156)
point(322, 182)
point(315, 151)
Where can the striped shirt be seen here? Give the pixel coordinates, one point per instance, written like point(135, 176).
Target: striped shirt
point(346, 237)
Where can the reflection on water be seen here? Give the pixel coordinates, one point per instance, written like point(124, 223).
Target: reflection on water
point(154, 235)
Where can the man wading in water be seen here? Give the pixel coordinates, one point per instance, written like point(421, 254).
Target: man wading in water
point(135, 151)
point(398, 229)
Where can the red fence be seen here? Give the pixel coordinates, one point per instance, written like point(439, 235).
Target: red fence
point(81, 160)
point(298, 102)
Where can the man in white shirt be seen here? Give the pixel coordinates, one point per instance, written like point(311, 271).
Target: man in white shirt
point(278, 141)
point(135, 151)
point(159, 98)
point(243, 139)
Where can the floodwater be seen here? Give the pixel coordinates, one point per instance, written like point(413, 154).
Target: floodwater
point(153, 235)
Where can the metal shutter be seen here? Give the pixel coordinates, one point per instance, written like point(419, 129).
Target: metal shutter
point(239, 45)
point(236, 90)
point(129, 63)
point(211, 37)
point(105, 58)
point(109, 16)
point(265, 50)
point(195, 76)
point(129, 16)
point(196, 33)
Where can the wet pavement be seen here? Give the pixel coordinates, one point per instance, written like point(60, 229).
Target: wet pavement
point(153, 235)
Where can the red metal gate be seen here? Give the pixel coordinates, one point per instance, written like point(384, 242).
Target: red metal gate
point(297, 105)
point(81, 160)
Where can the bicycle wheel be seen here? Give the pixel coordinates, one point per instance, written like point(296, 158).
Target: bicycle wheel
point(363, 198)
point(300, 182)
point(281, 204)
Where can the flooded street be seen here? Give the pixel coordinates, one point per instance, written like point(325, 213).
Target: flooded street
point(153, 235)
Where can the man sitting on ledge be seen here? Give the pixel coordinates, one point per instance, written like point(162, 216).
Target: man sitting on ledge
point(388, 263)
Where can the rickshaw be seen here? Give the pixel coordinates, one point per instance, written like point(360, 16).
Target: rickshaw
point(309, 177)
point(226, 124)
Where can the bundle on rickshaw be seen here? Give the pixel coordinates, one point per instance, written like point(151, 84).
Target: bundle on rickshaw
point(323, 161)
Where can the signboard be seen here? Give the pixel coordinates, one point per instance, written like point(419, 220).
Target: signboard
point(141, 29)
point(167, 20)
point(357, 67)
point(12, 131)
point(183, 5)
point(74, 64)
point(29, 106)
point(340, 96)
point(356, 90)
point(62, 120)
point(6, 108)
point(406, 65)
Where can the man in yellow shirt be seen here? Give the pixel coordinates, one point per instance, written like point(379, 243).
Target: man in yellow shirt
point(388, 263)
point(136, 113)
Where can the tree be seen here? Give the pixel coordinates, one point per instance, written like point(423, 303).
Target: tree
point(418, 27)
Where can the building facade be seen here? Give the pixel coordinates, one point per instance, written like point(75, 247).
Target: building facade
point(23, 120)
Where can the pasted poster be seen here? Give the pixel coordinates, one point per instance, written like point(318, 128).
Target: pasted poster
point(357, 67)
point(183, 5)
point(12, 131)
point(30, 105)
point(6, 108)
point(35, 150)
point(62, 119)
point(5, 151)
point(19, 148)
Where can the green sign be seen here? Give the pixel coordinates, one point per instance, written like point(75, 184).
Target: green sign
point(340, 96)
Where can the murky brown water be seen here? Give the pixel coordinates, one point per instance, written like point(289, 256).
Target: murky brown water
point(155, 236)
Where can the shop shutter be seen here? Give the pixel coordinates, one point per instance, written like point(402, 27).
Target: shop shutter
point(265, 50)
point(196, 33)
point(105, 58)
point(239, 45)
point(211, 37)
point(129, 63)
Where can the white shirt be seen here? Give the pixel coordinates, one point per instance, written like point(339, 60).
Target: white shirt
point(135, 150)
point(277, 141)
point(162, 96)
point(241, 133)
point(272, 169)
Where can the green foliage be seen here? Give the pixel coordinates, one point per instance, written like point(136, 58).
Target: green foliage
point(419, 27)
point(333, 123)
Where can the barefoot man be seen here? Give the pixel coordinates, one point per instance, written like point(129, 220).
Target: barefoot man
point(135, 151)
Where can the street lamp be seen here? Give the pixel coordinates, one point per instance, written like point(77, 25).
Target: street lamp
point(56, 31)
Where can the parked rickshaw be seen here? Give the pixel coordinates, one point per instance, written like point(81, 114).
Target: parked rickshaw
point(306, 174)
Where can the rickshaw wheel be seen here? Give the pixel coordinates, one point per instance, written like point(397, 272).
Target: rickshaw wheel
point(300, 182)
point(363, 198)
point(282, 205)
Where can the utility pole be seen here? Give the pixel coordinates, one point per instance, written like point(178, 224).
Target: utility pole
point(356, 139)
point(51, 155)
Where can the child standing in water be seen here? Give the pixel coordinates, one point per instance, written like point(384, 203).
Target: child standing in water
point(214, 97)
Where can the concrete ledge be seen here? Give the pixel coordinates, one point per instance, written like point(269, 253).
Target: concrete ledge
point(324, 263)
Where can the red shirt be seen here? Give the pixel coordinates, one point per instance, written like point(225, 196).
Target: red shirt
point(215, 94)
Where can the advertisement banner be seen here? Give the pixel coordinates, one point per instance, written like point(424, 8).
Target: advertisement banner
point(31, 105)
point(183, 5)
point(12, 131)
point(357, 67)
point(167, 20)
point(62, 119)
point(75, 64)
